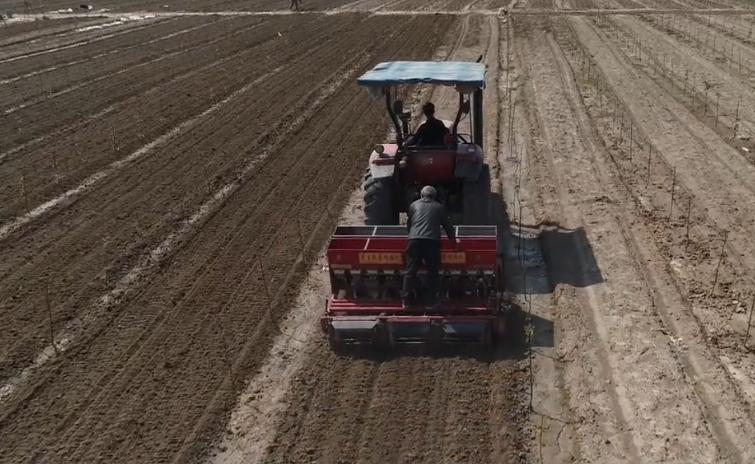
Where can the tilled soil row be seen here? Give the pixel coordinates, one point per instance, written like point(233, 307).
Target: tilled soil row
point(733, 167)
point(714, 424)
point(50, 97)
point(188, 5)
point(52, 77)
point(691, 242)
point(132, 37)
point(711, 229)
point(146, 205)
point(408, 408)
point(60, 160)
point(719, 96)
point(260, 5)
point(143, 380)
point(26, 121)
point(737, 27)
point(75, 38)
point(13, 33)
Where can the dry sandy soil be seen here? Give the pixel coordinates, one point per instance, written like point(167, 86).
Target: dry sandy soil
point(168, 182)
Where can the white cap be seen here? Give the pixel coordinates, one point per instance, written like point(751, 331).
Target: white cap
point(428, 191)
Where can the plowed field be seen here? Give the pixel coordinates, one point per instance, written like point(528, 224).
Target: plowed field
point(168, 182)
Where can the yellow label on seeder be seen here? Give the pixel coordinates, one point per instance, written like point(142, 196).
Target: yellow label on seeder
point(380, 258)
point(453, 258)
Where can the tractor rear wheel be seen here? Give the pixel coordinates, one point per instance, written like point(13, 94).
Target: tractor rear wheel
point(378, 201)
point(476, 199)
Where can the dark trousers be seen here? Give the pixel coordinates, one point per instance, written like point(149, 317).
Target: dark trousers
point(427, 252)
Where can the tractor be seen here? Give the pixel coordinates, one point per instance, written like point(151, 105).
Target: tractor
point(366, 263)
point(397, 171)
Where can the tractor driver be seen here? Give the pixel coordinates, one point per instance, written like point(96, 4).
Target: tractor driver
point(432, 131)
point(425, 218)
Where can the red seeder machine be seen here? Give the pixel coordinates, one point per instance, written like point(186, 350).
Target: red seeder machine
point(366, 265)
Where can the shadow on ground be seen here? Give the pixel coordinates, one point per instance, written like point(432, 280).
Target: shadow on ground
point(539, 257)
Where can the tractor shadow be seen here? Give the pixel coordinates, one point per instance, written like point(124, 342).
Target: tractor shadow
point(538, 258)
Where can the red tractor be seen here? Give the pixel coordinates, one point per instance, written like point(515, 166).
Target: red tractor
point(366, 263)
point(398, 171)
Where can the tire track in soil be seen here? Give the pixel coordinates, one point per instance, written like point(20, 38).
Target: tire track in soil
point(127, 201)
point(531, 228)
point(280, 250)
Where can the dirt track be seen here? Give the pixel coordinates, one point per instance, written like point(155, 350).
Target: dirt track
point(167, 184)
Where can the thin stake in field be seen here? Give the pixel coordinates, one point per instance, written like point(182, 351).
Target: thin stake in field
point(24, 193)
point(631, 140)
point(749, 322)
point(49, 316)
point(673, 185)
point(56, 172)
point(621, 129)
point(720, 260)
point(689, 213)
point(298, 231)
point(225, 348)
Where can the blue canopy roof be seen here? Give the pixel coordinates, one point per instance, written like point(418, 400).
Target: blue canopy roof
point(462, 73)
